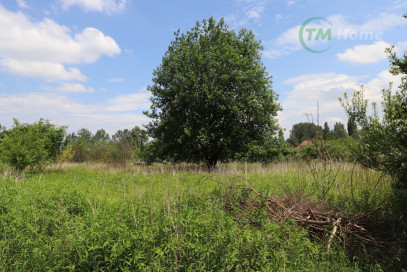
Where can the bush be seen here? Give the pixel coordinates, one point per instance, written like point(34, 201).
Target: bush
point(342, 149)
point(34, 145)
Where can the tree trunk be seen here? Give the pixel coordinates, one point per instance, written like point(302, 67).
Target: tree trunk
point(211, 163)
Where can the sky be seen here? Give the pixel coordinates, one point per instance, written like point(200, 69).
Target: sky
point(87, 63)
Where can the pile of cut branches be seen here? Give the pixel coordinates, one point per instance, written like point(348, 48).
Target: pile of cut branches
point(248, 205)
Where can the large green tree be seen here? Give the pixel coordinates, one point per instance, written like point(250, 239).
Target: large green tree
point(212, 97)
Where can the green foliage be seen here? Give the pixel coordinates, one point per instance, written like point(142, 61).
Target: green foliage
point(33, 145)
point(95, 220)
point(383, 141)
point(343, 149)
point(85, 136)
point(398, 65)
point(66, 155)
point(356, 107)
point(212, 97)
point(352, 128)
point(272, 149)
point(2, 130)
point(129, 144)
point(308, 152)
point(101, 136)
point(326, 131)
point(302, 132)
point(124, 146)
point(152, 152)
point(339, 131)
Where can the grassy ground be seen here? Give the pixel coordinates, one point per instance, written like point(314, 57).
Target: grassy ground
point(164, 218)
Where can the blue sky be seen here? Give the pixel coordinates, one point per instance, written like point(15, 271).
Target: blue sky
point(87, 63)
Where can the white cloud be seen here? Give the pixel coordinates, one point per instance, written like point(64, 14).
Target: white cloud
point(373, 88)
point(370, 53)
point(70, 88)
point(255, 12)
point(249, 11)
point(106, 6)
point(63, 110)
point(48, 44)
point(135, 101)
point(364, 54)
point(291, 2)
point(48, 71)
point(22, 4)
point(372, 29)
point(326, 88)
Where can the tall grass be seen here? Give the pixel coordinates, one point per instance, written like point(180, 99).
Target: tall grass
point(167, 218)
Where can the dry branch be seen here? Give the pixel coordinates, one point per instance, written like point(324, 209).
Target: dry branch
point(314, 216)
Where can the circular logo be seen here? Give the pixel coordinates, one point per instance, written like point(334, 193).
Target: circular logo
point(315, 37)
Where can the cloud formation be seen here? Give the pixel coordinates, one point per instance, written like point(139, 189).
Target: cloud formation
point(43, 49)
point(49, 71)
point(70, 88)
point(369, 53)
point(363, 54)
point(249, 11)
point(135, 101)
point(105, 6)
point(114, 114)
point(325, 89)
point(22, 4)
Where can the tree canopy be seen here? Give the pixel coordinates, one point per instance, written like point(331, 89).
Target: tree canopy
point(212, 97)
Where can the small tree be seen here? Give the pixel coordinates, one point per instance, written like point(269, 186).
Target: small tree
point(124, 149)
point(383, 140)
point(212, 97)
point(139, 140)
point(66, 155)
point(326, 131)
point(34, 145)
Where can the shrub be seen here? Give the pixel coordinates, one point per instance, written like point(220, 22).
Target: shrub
point(34, 145)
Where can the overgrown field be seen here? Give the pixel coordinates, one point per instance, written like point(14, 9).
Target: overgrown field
point(173, 218)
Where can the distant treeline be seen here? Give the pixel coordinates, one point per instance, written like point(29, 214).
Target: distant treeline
point(41, 143)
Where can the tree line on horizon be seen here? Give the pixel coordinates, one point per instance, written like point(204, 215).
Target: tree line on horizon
point(44, 143)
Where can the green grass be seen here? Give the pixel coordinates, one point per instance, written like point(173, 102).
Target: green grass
point(169, 218)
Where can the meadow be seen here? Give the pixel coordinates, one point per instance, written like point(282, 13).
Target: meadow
point(92, 217)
